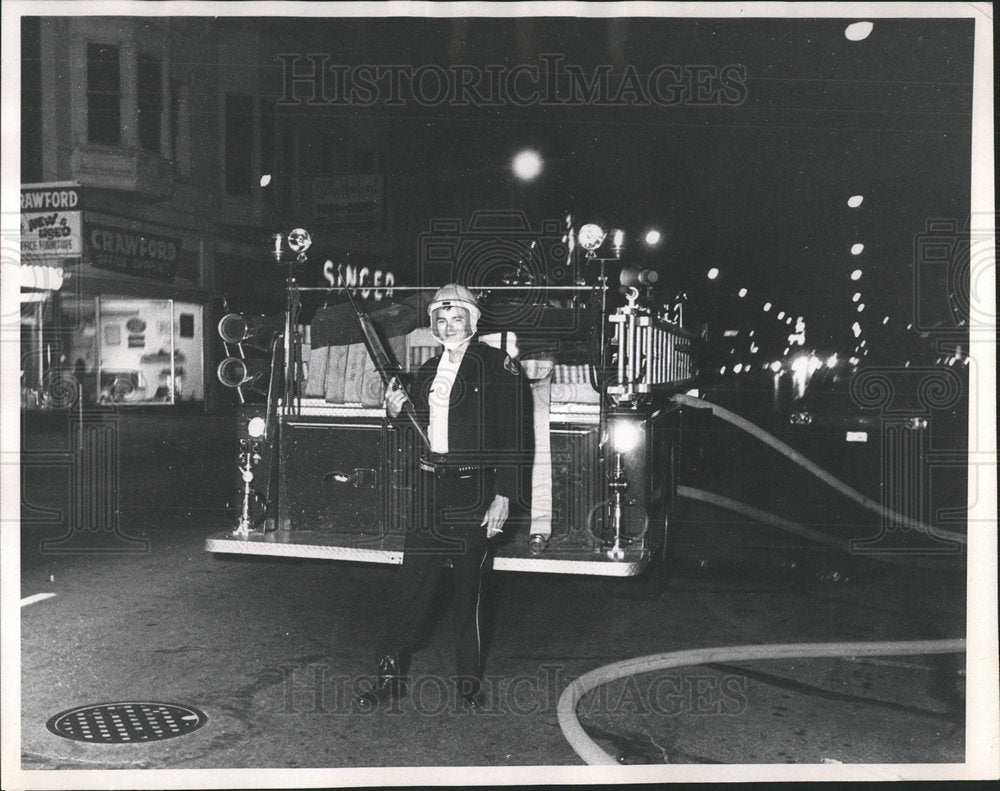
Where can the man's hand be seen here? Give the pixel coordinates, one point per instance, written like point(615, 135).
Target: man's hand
point(395, 397)
point(496, 515)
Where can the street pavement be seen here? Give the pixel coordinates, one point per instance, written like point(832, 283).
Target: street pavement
point(272, 649)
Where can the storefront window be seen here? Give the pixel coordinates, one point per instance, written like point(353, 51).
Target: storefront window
point(119, 350)
point(149, 351)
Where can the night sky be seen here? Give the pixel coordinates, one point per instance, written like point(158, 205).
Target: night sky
point(756, 185)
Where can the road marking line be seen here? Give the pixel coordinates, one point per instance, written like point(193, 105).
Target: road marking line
point(37, 597)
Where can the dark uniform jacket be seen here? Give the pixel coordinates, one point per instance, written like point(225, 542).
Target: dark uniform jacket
point(488, 414)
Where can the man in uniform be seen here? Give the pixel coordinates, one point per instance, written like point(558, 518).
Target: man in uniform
point(472, 398)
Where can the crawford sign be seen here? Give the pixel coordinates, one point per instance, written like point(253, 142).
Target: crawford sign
point(51, 221)
point(133, 253)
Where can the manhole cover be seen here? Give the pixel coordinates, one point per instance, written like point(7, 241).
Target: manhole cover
point(108, 723)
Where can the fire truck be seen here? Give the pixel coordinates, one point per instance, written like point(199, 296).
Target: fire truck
point(322, 472)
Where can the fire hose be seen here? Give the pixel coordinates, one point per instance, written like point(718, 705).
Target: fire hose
point(816, 470)
point(592, 753)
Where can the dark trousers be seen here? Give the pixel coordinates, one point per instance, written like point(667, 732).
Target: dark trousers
point(449, 512)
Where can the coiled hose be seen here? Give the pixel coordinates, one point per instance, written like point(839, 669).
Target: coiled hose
point(592, 753)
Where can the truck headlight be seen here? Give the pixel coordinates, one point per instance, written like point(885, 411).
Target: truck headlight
point(625, 435)
point(256, 427)
point(235, 327)
point(233, 372)
point(255, 331)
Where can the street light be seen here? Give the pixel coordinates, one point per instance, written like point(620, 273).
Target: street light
point(858, 31)
point(526, 165)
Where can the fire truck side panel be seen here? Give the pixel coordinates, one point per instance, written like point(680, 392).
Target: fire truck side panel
point(335, 476)
point(577, 485)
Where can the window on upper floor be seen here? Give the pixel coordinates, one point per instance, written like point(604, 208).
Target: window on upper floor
point(149, 101)
point(104, 95)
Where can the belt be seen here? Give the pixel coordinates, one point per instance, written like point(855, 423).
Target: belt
point(442, 467)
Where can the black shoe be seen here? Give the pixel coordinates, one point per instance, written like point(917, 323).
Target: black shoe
point(389, 685)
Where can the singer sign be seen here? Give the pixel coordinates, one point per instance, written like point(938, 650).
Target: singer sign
point(51, 221)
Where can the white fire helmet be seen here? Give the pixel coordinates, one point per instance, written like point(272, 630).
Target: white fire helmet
point(455, 295)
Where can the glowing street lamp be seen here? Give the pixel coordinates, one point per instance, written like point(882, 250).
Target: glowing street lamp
point(858, 31)
point(526, 165)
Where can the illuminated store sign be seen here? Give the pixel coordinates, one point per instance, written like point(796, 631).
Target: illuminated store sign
point(51, 221)
point(132, 253)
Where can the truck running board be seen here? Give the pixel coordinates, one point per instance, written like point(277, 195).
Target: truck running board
point(513, 556)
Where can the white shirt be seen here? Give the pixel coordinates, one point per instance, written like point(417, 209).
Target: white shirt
point(439, 397)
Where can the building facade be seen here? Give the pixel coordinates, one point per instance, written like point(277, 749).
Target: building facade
point(161, 130)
